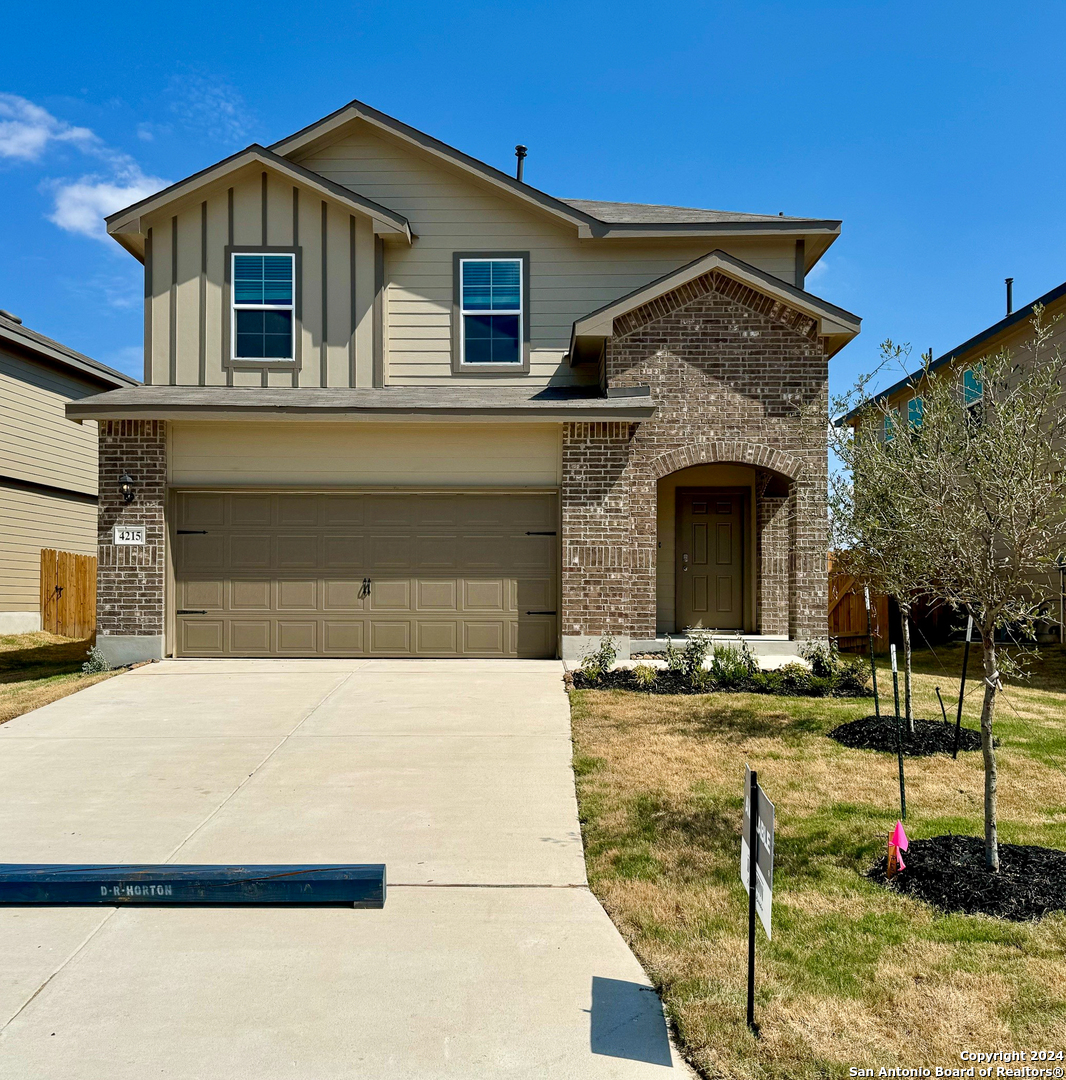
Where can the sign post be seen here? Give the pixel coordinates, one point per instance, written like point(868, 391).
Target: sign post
point(756, 870)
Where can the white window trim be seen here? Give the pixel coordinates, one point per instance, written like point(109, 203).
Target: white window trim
point(235, 307)
point(519, 311)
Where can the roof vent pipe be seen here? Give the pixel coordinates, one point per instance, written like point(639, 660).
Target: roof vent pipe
point(520, 152)
point(1010, 294)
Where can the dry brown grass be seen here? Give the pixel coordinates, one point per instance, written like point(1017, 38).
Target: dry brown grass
point(855, 975)
point(36, 669)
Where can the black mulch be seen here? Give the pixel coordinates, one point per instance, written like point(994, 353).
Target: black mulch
point(930, 736)
point(949, 873)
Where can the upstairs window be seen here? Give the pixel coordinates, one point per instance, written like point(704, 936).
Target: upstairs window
point(891, 424)
point(263, 289)
point(915, 411)
point(491, 312)
point(973, 386)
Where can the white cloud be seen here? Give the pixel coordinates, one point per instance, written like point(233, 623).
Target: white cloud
point(26, 130)
point(818, 271)
point(211, 107)
point(79, 205)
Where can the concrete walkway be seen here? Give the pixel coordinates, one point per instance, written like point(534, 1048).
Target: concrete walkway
point(490, 959)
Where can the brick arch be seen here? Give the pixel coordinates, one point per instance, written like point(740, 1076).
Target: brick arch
point(726, 451)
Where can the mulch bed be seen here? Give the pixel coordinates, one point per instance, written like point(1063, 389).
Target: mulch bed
point(949, 873)
point(929, 737)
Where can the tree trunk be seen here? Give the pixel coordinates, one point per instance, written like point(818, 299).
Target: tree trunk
point(988, 751)
point(905, 620)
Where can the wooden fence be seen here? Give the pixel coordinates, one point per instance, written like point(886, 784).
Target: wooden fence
point(847, 614)
point(68, 593)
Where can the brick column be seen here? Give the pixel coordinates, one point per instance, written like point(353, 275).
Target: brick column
point(808, 570)
point(771, 559)
point(597, 536)
point(130, 579)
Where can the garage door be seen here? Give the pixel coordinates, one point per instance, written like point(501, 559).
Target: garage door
point(350, 574)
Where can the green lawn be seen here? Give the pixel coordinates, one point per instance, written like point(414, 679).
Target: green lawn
point(855, 975)
point(38, 668)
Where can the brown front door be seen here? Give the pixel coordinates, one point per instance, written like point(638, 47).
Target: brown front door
point(710, 560)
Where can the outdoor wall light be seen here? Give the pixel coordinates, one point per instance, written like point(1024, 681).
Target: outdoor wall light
point(125, 485)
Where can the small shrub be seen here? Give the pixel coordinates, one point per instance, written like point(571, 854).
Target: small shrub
point(675, 658)
point(692, 659)
point(851, 678)
point(96, 662)
point(598, 662)
point(644, 676)
point(822, 656)
point(730, 668)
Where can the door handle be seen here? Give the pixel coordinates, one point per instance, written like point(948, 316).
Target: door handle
point(684, 560)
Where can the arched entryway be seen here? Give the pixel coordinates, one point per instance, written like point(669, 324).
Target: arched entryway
point(723, 538)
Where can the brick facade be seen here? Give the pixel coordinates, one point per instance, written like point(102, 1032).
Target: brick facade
point(737, 378)
point(129, 579)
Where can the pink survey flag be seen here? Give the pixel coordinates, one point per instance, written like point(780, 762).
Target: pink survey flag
point(898, 838)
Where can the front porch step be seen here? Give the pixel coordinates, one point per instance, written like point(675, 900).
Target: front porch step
point(761, 644)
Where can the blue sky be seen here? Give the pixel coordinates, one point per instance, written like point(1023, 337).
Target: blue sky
point(934, 131)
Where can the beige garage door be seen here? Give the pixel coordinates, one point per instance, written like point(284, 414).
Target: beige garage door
point(349, 574)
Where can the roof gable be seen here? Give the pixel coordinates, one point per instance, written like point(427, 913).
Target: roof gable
point(827, 320)
point(125, 225)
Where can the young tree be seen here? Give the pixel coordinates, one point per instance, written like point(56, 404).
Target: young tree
point(977, 482)
point(865, 520)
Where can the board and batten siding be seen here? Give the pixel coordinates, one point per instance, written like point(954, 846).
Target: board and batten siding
point(364, 455)
point(450, 211)
point(186, 339)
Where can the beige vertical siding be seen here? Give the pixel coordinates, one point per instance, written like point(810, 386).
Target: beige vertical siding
point(177, 357)
point(37, 442)
point(30, 521)
point(450, 211)
point(245, 454)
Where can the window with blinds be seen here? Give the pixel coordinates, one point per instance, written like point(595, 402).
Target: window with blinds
point(491, 313)
point(263, 290)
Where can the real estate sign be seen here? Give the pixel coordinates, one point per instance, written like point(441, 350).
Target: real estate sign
point(758, 803)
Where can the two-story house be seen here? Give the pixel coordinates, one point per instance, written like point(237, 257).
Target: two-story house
point(399, 403)
point(47, 464)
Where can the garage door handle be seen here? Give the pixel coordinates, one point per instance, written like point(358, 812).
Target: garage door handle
point(366, 587)
point(540, 533)
point(540, 612)
point(189, 611)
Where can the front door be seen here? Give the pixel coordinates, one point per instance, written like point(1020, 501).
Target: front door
point(710, 559)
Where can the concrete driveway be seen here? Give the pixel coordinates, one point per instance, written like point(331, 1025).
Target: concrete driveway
point(490, 959)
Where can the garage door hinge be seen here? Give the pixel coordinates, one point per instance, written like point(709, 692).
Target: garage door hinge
point(187, 532)
point(541, 533)
point(540, 612)
point(189, 611)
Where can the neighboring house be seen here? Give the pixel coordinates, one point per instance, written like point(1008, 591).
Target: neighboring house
point(399, 403)
point(901, 403)
point(47, 463)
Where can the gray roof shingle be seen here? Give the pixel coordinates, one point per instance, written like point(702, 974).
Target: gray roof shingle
point(623, 213)
point(16, 334)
